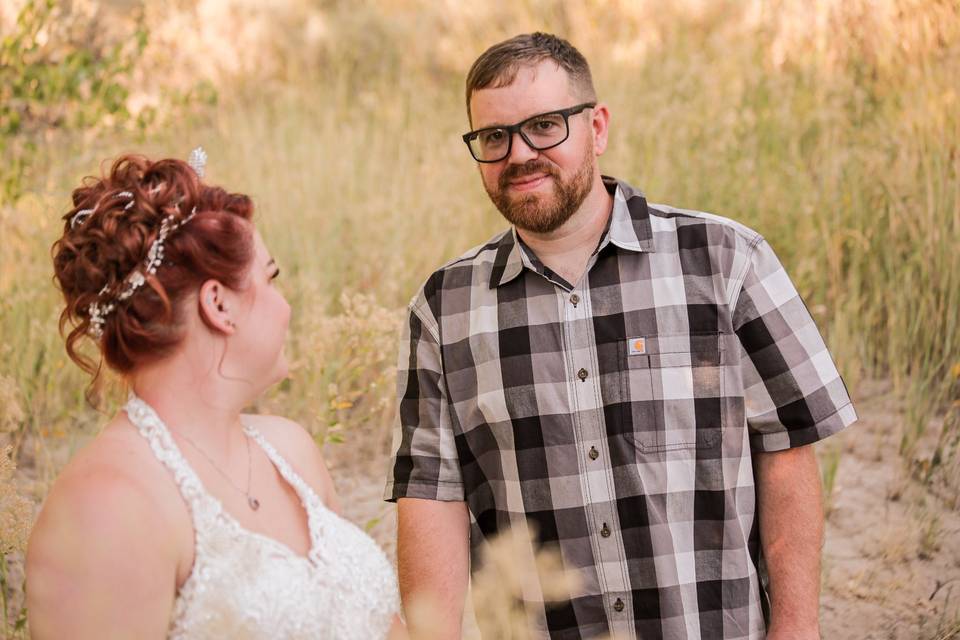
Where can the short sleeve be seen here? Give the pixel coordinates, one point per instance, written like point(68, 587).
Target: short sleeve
point(425, 462)
point(793, 393)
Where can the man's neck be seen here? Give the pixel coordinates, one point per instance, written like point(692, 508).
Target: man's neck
point(568, 249)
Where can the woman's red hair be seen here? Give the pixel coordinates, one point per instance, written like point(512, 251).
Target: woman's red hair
point(113, 241)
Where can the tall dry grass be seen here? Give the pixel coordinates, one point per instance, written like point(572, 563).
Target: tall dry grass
point(830, 126)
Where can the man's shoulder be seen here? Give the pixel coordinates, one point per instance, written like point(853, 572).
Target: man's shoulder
point(473, 267)
point(665, 218)
point(480, 255)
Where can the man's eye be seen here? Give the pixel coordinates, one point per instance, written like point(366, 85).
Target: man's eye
point(492, 137)
point(545, 124)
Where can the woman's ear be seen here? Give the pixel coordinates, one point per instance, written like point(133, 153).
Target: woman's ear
point(213, 307)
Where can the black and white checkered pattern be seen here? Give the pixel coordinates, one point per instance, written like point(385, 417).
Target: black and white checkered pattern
point(620, 414)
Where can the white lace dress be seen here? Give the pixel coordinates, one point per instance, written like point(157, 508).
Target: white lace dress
point(247, 585)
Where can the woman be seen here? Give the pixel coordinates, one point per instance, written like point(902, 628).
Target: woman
point(185, 518)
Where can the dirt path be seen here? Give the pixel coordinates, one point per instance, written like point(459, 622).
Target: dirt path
point(891, 563)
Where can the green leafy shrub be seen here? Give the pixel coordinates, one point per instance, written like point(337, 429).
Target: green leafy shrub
point(55, 79)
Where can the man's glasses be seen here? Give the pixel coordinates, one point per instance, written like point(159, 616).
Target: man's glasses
point(540, 132)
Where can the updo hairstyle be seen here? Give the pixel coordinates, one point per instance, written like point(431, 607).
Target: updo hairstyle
point(99, 251)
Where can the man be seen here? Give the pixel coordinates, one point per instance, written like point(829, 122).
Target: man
point(641, 382)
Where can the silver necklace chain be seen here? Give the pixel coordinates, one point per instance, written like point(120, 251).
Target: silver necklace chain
point(252, 502)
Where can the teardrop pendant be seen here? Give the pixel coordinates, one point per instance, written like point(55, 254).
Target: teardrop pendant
point(253, 503)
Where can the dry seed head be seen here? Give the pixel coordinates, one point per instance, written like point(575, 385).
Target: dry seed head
point(11, 413)
point(514, 569)
point(16, 511)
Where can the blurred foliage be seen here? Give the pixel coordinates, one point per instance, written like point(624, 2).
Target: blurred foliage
point(52, 81)
point(342, 376)
point(74, 69)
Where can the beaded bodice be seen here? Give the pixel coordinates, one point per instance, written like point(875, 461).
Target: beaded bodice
point(247, 585)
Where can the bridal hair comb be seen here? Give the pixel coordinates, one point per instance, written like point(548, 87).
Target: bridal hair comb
point(198, 160)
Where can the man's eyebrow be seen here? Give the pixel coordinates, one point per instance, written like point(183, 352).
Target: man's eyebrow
point(504, 125)
point(272, 262)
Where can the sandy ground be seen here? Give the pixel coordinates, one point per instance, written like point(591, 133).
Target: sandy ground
point(891, 562)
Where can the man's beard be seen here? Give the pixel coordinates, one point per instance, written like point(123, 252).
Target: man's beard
point(536, 212)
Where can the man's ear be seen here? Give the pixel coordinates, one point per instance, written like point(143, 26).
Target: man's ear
point(601, 128)
point(213, 307)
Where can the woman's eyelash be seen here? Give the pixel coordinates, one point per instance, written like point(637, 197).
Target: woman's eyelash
point(276, 274)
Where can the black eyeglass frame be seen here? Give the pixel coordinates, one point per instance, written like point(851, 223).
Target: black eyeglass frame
point(518, 128)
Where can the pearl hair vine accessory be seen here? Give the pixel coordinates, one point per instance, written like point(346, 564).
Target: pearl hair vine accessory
point(98, 311)
point(101, 308)
point(81, 216)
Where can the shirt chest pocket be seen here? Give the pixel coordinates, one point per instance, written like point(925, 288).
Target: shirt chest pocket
point(672, 391)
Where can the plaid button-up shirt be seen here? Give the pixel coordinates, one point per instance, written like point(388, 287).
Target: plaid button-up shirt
point(618, 414)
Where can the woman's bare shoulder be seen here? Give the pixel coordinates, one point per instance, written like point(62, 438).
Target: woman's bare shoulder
point(105, 546)
point(111, 491)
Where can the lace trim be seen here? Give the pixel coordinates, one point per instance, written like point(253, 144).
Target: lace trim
point(311, 502)
point(149, 424)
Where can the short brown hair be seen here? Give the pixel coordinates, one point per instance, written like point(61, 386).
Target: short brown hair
point(498, 65)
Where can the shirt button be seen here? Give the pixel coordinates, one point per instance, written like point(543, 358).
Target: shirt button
point(582, 374)
point(574, 299)
point(594, 454)
point(605, 532)
point(618, 605)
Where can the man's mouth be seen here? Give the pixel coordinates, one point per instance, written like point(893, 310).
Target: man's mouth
point(527, 183)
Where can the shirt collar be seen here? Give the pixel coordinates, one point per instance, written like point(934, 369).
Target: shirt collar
point(628, 228)
point(508, 262)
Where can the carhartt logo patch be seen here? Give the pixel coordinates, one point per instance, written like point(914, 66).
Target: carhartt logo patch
point(637, 346)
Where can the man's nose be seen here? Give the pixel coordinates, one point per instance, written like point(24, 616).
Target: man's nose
point(520, 151)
